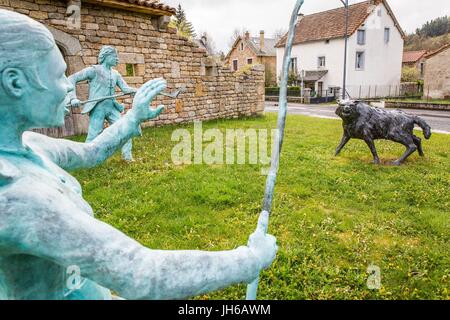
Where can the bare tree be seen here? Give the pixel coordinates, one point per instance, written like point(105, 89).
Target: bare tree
point(236, 34)
point(208, 42)
point(279, 33)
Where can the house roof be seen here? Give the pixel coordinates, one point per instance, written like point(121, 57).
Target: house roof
point(269, 49)
point(153, 7)
point(314, 75)
point(331, 24)
point(433, 53)
point(413, 56)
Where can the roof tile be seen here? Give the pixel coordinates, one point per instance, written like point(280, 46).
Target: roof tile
point(331, 24)
point(413, 56)
point(152, 4)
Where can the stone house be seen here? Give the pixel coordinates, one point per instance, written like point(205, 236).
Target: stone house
point(437, 74)
point(375, 50)
point(415, 59)
point(147, 49)
point(248, 50)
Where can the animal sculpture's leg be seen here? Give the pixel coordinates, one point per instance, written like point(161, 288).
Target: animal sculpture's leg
point(411, 147)
point(344, 141)
point(96, 123)
point(127, 155)
point(372, 148)
point(418, 143)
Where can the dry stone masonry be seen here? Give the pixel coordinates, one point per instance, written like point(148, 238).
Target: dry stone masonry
point(148, 49)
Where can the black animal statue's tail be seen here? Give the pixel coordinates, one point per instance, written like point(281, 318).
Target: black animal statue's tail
point(425, 127)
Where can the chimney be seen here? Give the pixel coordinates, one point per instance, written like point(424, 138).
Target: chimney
point(261, 40)
point(247, 35)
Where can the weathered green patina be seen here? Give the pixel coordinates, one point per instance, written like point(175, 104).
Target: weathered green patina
point(103, 80)
point(51, 246)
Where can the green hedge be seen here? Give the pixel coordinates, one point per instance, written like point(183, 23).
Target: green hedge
point(275, 91)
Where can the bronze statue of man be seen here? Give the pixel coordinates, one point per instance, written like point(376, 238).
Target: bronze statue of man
point(51, 245)
point(103, 80)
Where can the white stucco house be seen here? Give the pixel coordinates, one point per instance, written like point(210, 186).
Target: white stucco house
point(375, 50)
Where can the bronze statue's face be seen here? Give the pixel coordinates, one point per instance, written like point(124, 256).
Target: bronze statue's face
point(46, 107)
point(112, 59)
point(347, 109)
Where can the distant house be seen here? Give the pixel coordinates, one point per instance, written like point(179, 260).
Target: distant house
point(437, 73)
point(248, 50)
point(415, 59)
point(375, 49)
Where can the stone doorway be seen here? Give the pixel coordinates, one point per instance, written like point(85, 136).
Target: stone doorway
point(75, 122)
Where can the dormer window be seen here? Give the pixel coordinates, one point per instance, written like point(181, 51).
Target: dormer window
point(361, 37)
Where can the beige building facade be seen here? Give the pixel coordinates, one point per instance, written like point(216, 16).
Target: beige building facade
point(248, 50)
point(437, 74)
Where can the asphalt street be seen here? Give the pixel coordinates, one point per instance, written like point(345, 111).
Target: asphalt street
point(438, 120)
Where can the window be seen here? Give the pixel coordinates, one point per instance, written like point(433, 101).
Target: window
point(387, 35)
point(321, 62)
point(361, 37)
point(327, 41)
point(360, 60)
point(242, 46)
point(130, 70)
point(249, 61)
point(235, 65)
point(379, 12)
point(422, 69)
point(293, 68)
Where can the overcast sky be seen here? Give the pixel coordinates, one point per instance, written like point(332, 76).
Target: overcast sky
point(220, 17)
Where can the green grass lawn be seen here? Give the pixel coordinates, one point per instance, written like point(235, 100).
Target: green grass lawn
point(333, 217)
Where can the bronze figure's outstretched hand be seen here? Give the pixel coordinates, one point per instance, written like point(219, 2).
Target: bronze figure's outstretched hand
point(262, 245)
point(144, 97)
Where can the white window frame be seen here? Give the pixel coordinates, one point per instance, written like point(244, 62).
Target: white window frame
point(358, 32)
point(237, 64)
point(292, 65)
point(364, 61)
point(387, 36)
point(319, 61)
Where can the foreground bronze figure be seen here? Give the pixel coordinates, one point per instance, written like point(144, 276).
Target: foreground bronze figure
point(51, 245)
point(361, 121)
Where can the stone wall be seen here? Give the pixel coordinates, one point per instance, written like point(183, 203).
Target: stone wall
point(270, 64)
point(418, 105)
point(437, 76)
point(213, 91)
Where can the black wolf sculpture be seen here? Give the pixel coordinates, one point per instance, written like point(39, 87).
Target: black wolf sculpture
point(361, 121)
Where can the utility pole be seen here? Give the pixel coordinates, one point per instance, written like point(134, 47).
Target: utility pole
point(344, 84)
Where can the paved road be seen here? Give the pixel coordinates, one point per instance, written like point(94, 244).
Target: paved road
point(438, 120)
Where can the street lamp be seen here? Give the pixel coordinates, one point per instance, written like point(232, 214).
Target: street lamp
point(345, 3)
